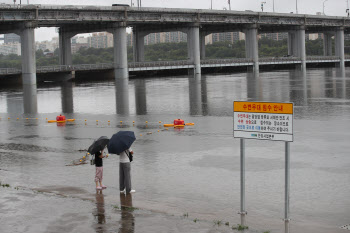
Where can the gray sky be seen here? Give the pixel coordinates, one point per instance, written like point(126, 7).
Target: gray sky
point(332, 7)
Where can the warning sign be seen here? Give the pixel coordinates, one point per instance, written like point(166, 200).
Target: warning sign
point(263, 120)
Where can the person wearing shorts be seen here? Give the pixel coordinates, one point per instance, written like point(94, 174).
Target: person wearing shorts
point(99, 170)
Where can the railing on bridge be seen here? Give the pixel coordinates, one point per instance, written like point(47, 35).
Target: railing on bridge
point(139, 66)
point(4, 71)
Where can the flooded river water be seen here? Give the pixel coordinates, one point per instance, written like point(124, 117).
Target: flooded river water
point(180, 175)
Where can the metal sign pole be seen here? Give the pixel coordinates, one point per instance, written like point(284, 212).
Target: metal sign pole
point(243, 212)
point(287, 185)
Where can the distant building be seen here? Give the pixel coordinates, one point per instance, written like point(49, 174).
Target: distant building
point(224, 36)
point(12, 38)
point(47, 45)
point(101, 40)
point(79, 42)
point(275, 36)
point(10, 48)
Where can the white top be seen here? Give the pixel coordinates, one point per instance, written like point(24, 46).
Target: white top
point(123, 158)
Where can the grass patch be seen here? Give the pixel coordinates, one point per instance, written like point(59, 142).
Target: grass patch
point(4, 185)
point(116, 207)
point(266, 231)
point(185, 215)
point(217, 222)
point(129, 208)
point(240, 227)
point(227, 224)
point(195, 220)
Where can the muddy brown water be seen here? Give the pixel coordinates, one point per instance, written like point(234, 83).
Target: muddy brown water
point(192, 171)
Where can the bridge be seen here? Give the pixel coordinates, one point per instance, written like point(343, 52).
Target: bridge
point(72, 20)
point(175, 65)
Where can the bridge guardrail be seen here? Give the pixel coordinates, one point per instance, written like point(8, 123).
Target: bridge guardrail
point(4, 71)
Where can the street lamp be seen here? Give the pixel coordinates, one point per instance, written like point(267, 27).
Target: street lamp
point(296, 6)
point(347, 8)
point(211, 4)
point(273, 5)
point(323, 5)
point(229, 4)
point(262, 6)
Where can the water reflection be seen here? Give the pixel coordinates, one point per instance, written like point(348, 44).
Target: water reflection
point(254, 87)
point(127, 217)
point(122, 96)
point(341, 83)
point(140, 97)
point(99, 212)
point(195, 93)
point(30, 102)
point(14, 103)
point(67, 97)
point(299, 92)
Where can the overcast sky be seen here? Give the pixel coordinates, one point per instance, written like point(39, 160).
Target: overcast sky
point(332, 7)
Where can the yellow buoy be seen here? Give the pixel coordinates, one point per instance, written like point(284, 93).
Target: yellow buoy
point(108, 121)
point(80, 160)
point(160, 122)
point(158, 130)
point(96, 120)
point(85, 119)
point(46, 118)
point(9, 118)
point(36, 118)
point(121, 122)
point(17, 118)
point(140, 134)
point(166, 128)
point(146, 122)
point(88, 153)
point(83, 157)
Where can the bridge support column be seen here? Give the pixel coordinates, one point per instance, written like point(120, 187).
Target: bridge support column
point(28, 54)
point(29, 68)
point(251, 46)
point(202, 45)
point(301, 49)
point(139, 46)
point(291, 44)
point(120, 52)
point(194, 48)
point(339, 46)
point(327, 44)
point(65, 47)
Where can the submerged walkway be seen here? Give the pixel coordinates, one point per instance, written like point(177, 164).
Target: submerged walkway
point(181, 64)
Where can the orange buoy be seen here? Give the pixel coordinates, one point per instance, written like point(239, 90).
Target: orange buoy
point(60, 118)
point(179, 122)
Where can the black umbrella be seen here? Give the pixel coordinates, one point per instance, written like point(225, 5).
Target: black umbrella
point(121, 141)
point(98, 145)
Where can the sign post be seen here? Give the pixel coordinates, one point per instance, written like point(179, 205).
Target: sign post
point(264, 121)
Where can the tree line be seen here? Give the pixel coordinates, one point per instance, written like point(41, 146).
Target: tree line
point(171, 51)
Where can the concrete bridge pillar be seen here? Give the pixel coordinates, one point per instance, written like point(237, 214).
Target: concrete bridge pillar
point(327, 44)
point(300, 37)
point(65, 47)
point(120, 51)
point(139, 46)
point(193, 42)
point(296, 44)
point(202, 45)
point(28, 54)
point(339, 45)
point(251, 46)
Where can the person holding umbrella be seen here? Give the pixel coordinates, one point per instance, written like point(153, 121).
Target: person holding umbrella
point(120, 144)
point(97, 149)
